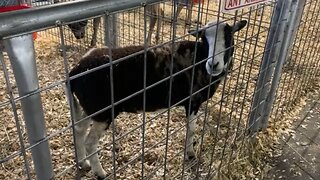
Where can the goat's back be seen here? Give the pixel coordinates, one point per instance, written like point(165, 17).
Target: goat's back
point(94, 89)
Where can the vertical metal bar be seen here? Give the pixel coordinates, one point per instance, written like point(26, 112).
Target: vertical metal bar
point(111, 28)
point(296, 22)
point(288, 35)
point(221, 100)
point(108, 43)
point(114, 18)
point(199, 17)
point(69, 94)
point(192, 79)
point(242, 143)
point(123, 32)
point(143, 127)
point(169, 94)
point(232, 106)
point(106, 30)
point(135, 16)
point(22, 57)
point(14, 108)
point(266, 69)
point(245, 71)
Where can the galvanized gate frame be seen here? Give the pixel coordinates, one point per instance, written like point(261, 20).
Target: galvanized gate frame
point(283, 28)
point(284, 25)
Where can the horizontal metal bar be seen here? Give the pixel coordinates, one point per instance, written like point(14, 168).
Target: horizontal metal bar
point(38, 18)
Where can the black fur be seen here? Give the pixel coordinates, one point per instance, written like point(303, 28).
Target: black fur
point(229, 43)
point(93, 89)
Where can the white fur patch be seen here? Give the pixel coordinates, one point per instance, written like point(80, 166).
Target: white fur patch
point(89, 52)
point(191, 123)
point(215, 34)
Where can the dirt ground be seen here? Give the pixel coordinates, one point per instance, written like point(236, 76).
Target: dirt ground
point(300, 149)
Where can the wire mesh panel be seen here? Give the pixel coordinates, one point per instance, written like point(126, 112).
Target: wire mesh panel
point(302, 65)
point(299, 76)
point(143, 143)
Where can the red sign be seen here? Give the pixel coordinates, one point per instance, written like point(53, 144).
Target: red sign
point(231, 5)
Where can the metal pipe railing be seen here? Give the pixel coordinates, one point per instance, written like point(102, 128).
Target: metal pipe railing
point(35, 19)
point(22, 58)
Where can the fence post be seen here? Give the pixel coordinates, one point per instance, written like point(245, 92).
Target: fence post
point(267, 66)
point(22, 57)
point(294, 16)
point(111, 27)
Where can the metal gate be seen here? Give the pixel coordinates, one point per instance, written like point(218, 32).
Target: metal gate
point(275, 61)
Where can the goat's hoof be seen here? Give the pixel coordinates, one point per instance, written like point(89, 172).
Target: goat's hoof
point(101, 175)
point(85, 166)
point(191, 156)
point(117, 148)
point(194, 143)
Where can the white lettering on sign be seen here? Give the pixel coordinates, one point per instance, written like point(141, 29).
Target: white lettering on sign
point(231, 5)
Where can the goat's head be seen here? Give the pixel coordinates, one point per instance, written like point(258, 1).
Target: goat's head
point(78, 28)
point(219, 38)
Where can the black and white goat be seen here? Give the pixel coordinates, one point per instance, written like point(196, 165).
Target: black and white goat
point(93, 92)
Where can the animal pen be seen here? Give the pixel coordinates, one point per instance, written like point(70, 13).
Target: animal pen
point(275, 62)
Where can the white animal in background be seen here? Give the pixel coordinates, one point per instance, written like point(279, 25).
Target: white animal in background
point(157, 13)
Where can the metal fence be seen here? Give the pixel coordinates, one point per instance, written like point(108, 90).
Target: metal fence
point(275, 61)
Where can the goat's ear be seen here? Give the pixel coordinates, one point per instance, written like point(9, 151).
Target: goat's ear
point(195, 33)
point(239, 25)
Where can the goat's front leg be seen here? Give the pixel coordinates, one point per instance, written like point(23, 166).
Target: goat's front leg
point(91, 142)
point(80, 135)
point(160, 14)
point(153, 9)
point(188, 15)
point(191, 126)
point(179, 9)
point(96, 23)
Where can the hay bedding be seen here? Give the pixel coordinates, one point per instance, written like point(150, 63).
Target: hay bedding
point(238, 160)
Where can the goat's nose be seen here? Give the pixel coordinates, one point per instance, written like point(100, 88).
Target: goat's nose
point(213, 66)
point(79, 35)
